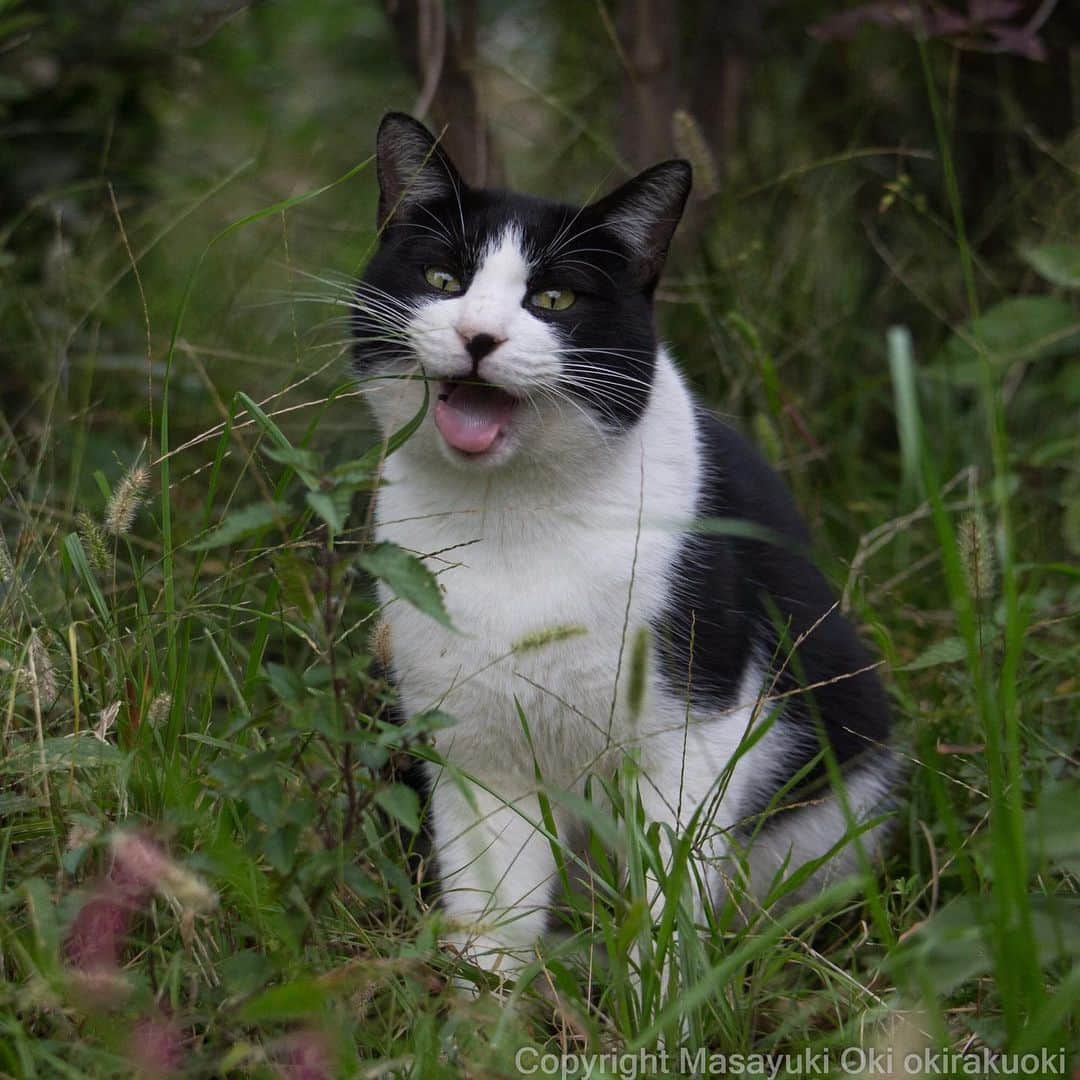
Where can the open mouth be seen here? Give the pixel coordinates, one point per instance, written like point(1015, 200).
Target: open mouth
point(472, 415)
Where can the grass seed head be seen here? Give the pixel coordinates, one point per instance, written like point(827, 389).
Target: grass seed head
point(977, 552)
point(160, 708)
point(7, 567)
point(39, 669)
point(690, 143)
point(380, 644)
point(93, 538)
point(546, 637)
point(140, 859)
point(126, 500)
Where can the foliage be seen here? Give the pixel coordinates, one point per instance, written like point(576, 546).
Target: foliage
point(202, 770)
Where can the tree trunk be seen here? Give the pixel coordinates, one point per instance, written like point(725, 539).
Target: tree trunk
point(649, 35)
point(443, 60)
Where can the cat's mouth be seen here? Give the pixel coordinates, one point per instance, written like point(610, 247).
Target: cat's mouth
point(472, 415)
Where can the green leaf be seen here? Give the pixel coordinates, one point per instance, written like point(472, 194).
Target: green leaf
point(407, 577)
point(292, 573)
point(949, 948)
point(1058, 263)
point(946, 651)
point(906, 405)
point(76, 554)
point(305, 463)
point(1022, 327)
point(305, 997)
point(402, 804)
point(382, 450)
point(241, 523)
point(355, 475)
point(280, 848)
point(1052, 830)
point(333, 507)
point(245, 971)
point(286, 683)
point(82, 751)
point(426, 722)
point(44, 925)
point(269, 428)
point(639, 663)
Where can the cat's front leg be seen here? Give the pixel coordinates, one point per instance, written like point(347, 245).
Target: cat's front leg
point(676, 790)
point(496, 869)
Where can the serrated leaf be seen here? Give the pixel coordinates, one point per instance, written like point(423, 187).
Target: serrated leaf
point(356, 475)
point(305, 463)
point(241, 523)
point(1058, 263)
point(946, 651)
point(407, 578)
point(402, 804)
point(332, 507)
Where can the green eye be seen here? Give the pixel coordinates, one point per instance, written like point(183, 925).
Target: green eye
point(441, 279)
point(552, 299)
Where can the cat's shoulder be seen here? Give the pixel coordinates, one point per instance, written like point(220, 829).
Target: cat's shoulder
point(740, 483)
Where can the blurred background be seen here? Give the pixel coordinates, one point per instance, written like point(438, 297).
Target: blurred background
point(876, 278)
point(820, 215)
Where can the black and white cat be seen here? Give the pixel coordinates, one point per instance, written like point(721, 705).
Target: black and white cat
point(558, 487)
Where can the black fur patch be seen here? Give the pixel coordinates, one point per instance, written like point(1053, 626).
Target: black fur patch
point(744, 599)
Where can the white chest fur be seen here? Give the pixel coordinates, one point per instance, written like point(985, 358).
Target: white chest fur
point(548, 577)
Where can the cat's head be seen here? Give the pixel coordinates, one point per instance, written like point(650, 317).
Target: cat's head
point(530, 321)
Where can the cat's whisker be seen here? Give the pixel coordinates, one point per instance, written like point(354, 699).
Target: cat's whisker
point(614, 380)
point(553, 254)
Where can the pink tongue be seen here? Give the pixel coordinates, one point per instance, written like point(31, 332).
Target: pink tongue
point(472, 415)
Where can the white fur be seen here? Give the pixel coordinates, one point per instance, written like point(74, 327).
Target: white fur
point(574, 529)
point(550, 430)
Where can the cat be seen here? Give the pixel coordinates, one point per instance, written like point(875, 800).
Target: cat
point(624, 573)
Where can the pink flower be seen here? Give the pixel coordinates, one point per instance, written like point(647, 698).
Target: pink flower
point(156, 1047)
point(305, 1055)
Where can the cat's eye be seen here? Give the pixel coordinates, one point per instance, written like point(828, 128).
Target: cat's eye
point(441, 279)
point(552, 299)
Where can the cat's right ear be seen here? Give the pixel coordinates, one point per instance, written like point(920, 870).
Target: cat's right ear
point(411, 166)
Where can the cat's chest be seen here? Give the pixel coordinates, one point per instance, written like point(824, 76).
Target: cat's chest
point(543, 624)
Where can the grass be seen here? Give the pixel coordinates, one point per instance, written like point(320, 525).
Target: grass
point(188, 655)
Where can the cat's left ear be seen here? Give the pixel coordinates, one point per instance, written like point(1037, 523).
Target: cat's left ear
point(412, 167)
point(643, 214)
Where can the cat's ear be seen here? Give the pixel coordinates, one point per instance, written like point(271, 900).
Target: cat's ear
point(643, 214)
point(411, 166)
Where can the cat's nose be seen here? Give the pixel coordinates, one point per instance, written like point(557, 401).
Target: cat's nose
point(479, 345)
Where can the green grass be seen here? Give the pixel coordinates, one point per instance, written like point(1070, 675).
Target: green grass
point(206, 674)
